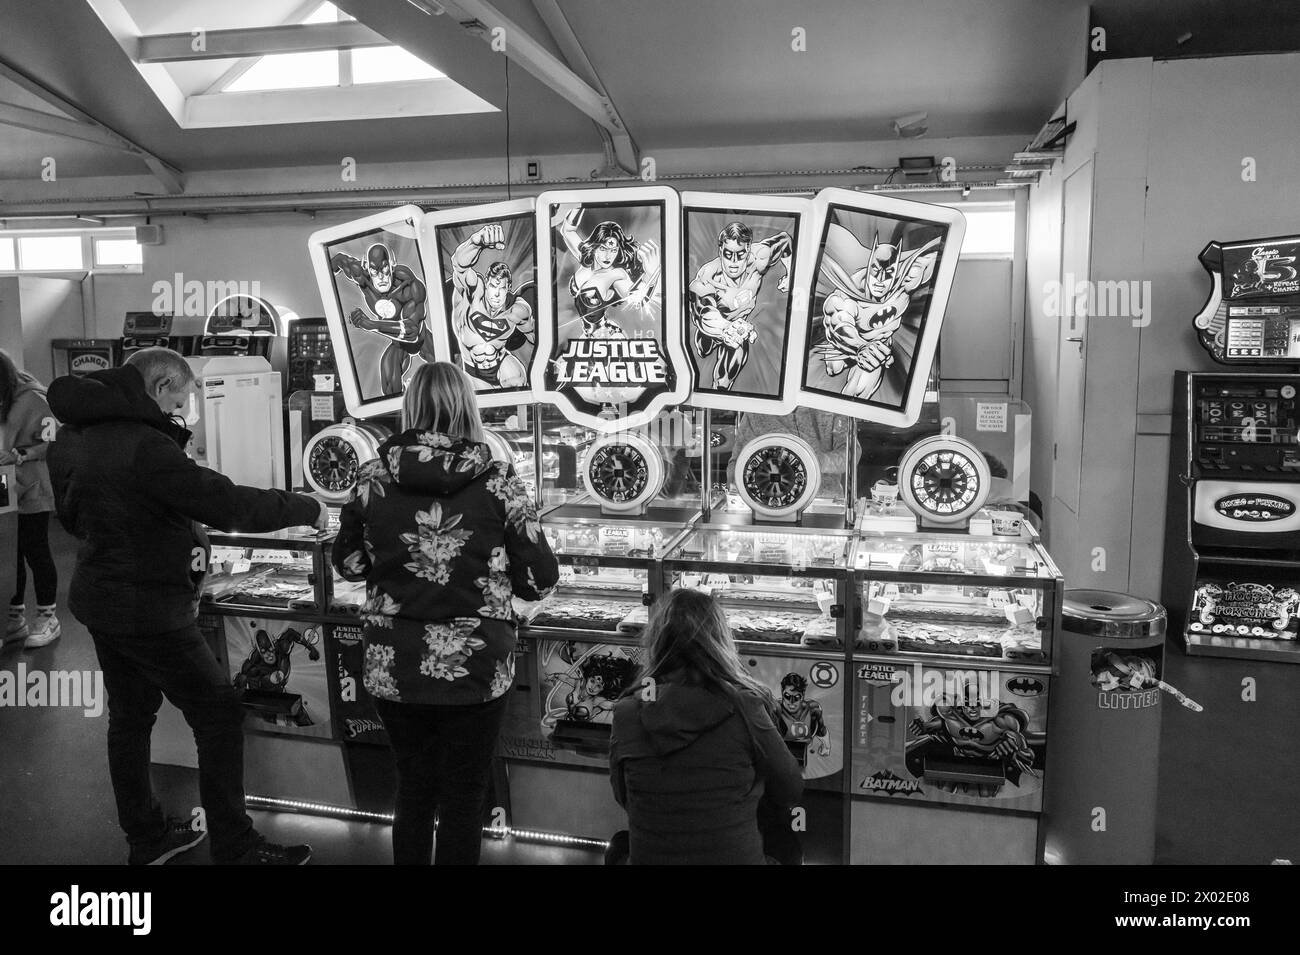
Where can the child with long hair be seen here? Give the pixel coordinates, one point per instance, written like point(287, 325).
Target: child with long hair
point(26, 427)
point(695, 746)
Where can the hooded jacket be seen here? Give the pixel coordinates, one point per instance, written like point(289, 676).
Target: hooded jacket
point(124, 486)
point(30, 426)
point(444, 537)
point(690, 767)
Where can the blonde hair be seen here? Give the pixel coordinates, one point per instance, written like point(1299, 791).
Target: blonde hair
point(441, 398)
point(688, 633)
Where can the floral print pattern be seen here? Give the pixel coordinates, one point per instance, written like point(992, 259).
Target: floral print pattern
point(378, 677)
point(445, 538)
point(379, 609)
point(521, 511)
point(435, 544)
point(449, 645)
point(496, 587)
point(503, 676)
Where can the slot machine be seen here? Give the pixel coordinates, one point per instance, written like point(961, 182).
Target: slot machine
point(1231, 581)
point(310, 354)
point(145, 330)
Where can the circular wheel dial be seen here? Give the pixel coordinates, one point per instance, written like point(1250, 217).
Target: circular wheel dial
point(333, 464)
point(944, 480)
point(775, 476)
point(335, 454)
point(623, 472)
point(619, 472)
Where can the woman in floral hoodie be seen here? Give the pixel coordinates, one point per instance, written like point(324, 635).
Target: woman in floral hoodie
point(444, 537)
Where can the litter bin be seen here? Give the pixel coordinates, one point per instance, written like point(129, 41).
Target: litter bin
point(1104, 728)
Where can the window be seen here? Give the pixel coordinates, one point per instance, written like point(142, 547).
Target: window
point(103, 250)
point(389, 64)
point(49, 253)
point(289, 71)
point(118, 252)
point(990, 228)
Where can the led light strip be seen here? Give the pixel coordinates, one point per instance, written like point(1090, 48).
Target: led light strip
point(271, 804)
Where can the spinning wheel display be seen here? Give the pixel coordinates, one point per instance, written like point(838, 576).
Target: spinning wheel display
point(333, 456)
point(777, 475)
point(623, 472)
point(943, 479)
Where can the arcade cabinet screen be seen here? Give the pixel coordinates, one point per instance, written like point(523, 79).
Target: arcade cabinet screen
point(380, 291)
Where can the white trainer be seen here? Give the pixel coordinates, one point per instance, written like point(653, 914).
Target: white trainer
point(16, 624)
point(46, 629)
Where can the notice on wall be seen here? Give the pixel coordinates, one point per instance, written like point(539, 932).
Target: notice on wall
point(991, 416)
point(322, 407)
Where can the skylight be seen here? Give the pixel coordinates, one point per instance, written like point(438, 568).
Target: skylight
point(300, 71)
point(389, 64)
point(289, 71)
point(298, 68)
point(327, 13)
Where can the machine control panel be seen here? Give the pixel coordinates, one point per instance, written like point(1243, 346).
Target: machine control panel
point(1247, 428)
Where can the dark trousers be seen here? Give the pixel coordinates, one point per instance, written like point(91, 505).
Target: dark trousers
point(34, 552)
point(444, 758)
point(139, 670)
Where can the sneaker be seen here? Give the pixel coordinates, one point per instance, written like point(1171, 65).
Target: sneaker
point(179, 838)
point(268, 853)
point(16, 624)
point(45, 631)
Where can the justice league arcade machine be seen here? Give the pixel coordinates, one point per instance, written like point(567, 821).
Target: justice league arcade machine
point(608, 333)
point(1232, 529)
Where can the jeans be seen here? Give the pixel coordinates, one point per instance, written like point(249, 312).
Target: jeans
point(443, 755)
point(34, 552)
point(139, 670)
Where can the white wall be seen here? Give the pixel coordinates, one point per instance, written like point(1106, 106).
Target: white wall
point(268, 249)
point(1168, 139)
point(51, 308)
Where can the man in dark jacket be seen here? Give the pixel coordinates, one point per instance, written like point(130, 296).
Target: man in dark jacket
point(124, 486)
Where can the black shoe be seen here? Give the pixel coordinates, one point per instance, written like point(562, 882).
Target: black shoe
point(179, 838)
point(268, 853)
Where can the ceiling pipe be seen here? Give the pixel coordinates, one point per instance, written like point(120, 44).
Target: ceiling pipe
point(459, 194)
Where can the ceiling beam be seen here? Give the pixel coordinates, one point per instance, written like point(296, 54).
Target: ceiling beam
point(483, 20)
point(244, 64)
point(169, 176)
point(622, 149)
point(39, 121)
point(257, 41)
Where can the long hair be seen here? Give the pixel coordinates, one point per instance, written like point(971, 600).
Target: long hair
point(688, 634)
point(626, 259)
point(8, 384)
point(441, 398)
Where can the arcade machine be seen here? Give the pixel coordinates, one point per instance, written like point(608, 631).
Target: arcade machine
point(146, 330)
point(240, 431)
point(1231, 581)
point(952, 666)
point(82, 356)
